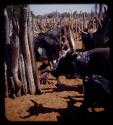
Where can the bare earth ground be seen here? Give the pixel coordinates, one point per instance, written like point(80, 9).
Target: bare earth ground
point(52, 99)
point(54, 104)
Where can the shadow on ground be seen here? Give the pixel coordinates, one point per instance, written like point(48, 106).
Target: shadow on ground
point(71, 113)
point(64, 87)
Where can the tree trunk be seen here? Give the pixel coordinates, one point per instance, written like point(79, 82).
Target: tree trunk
point(12, 91)
point(14, 66)
point(6, 81)
point(25, 49)
point(33, 61)
point(15, 55)
point(22, 74)
point(7, 42)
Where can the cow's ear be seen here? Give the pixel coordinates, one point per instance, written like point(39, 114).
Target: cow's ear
point(74, 56)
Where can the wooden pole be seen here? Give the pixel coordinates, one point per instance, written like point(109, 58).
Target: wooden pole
point(7, 42)
point(25, 49)
point(31, 48)
point(23, 73)
point(15, 54)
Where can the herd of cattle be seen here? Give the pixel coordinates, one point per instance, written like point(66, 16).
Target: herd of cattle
point(56, 49)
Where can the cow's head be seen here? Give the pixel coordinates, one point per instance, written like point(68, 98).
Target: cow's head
point(65, 65)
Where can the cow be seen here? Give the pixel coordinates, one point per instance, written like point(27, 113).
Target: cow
point(87, 64)
point(51, 45)
point(47, 47)
point(48, 43)
point(100, 37)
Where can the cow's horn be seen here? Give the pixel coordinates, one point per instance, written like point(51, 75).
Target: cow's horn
point(83, 31)
point(72, 43)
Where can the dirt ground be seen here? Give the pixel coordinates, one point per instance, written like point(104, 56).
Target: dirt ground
point(54, 104)
point(52, 100)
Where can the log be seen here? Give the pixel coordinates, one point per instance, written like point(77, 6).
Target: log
point(12, 91)
point(22, 73)
point(25, 49)
point(31, 47)
point(6, 81)
point(7, 38)
point(14, 64)
point(7, 42)
point(76, 27)
point(15, 55)
point(84, 21)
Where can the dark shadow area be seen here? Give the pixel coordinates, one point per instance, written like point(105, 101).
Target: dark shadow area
point(51, 79)
point(71, 113)
point(36, 109)
point(46, 88)
point(75, 98)
point(63, 87)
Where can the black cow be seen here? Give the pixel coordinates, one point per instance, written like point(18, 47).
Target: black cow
point(95, 61)
point(88, 40)
point(97, 91)
point(49, 43)
point(95, 39)
point(50, 46)
point(47, 47)
point(99, 38)
point(52, 43)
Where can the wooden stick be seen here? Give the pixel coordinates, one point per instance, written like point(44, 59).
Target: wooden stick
point(25, 49)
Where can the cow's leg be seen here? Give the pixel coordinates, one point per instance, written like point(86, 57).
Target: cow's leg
point(58, 82)
point(86, 92)
point(51, 65)
point(57, 78)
